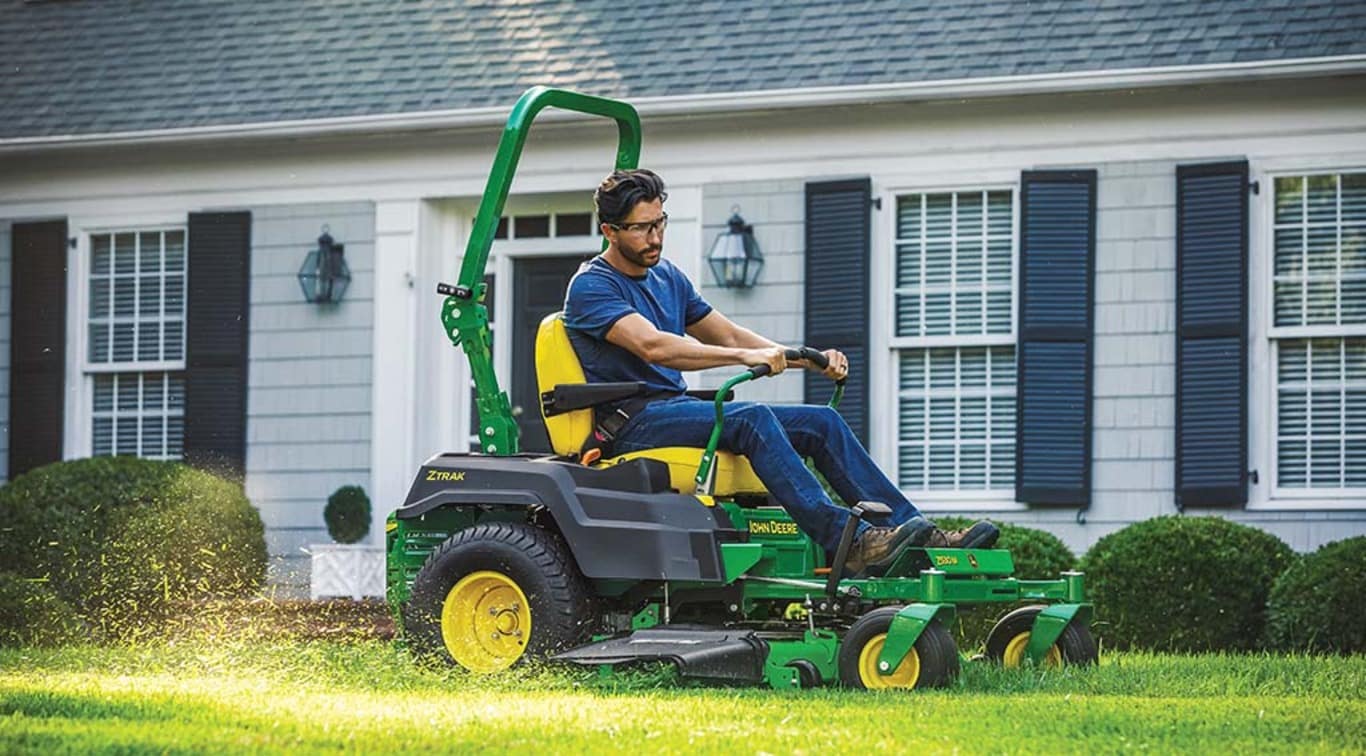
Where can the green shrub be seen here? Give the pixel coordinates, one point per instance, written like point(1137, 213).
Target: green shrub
point(31, 614)
point(1318, 604)
point(119, 538)
point(1038, 555)
point(347, 514)
point(1184, 583)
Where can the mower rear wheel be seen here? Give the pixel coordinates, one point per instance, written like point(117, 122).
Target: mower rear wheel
point(931, 663)
point(497, 594)
point(1008, 642)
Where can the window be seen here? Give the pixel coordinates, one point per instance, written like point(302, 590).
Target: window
point(1318, 334)
point(954, 342)
point(545, 225)
point(136, 336)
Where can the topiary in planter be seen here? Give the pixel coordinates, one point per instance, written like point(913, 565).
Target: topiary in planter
point(31, 614)
point(347, 514)
point(1184, 583)
point(1038, 555)
point(1319, 604)
point(120, 538)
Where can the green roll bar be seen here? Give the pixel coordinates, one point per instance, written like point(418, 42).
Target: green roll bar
point(463, 314)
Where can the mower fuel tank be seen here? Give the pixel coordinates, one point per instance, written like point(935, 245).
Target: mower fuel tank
point(697, 651)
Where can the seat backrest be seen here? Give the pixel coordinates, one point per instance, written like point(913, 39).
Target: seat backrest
point(557, 363)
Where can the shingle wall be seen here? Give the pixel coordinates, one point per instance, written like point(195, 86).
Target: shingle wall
point(1134, 356)
point(773, 308)
point(308, 406)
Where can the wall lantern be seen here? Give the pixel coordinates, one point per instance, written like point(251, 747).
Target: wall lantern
point(325, 275)
point(735, 258)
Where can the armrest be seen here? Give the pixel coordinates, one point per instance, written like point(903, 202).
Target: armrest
point(567, 397)
point(708, 394)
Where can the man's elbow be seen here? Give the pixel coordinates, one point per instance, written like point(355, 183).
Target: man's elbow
point(656, 353)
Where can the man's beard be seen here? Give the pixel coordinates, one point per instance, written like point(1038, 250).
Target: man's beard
point(638, 256)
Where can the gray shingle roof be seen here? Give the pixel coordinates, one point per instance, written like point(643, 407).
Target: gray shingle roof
point(73, 67)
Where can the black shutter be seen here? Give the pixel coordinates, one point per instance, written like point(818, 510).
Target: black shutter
point(37, 345)
point(1211, 334)
point(838, 244)
point(216, 342)
point(1053, 394)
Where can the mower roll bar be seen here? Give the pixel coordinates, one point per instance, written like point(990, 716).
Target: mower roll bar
point(463, 314)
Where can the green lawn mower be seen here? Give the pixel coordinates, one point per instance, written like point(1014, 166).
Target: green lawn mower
point(675, 554)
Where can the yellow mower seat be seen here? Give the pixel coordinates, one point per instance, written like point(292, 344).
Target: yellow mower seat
point(558, 364)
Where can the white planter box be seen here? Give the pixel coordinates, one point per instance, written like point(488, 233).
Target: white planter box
point(351, 570)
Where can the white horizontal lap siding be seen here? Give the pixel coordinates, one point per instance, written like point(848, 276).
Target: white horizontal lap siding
point(309, 393)
point(774, 307)
point(5, 299)
point(1133, 384)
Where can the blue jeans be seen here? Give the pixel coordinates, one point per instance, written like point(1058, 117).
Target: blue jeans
point(775, 439)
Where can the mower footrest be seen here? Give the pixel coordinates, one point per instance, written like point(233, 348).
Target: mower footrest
point(736, 655)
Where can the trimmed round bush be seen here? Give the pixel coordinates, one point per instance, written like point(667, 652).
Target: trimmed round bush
point(31, 614)
point(1038, 555)
point(347, 514)
point(1184, 583)
point(121, 538)
point(1317, 604)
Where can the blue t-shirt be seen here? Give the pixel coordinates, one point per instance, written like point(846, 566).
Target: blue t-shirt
point(600, 295)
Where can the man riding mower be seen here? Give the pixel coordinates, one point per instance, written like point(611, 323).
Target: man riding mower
point(678, 527)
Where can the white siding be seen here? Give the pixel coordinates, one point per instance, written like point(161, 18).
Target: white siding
point(774, 307)
point(308, 402)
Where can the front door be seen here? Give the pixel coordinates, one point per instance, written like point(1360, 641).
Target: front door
point(538, 286)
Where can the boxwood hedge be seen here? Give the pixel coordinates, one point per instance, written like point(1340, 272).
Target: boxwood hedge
point(1184, 583)
point(347, 514)
point(1319, 604)
point(31, 614)
point(119, 538)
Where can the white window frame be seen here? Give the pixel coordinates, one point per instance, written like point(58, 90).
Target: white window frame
point(79, 435)
point(884, 333)
point(1263, 384)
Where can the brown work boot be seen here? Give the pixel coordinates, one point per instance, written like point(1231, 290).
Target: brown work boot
point(982, 535)
point(877, 547)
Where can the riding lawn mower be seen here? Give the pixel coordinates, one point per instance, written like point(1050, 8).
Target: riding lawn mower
point(676, 554)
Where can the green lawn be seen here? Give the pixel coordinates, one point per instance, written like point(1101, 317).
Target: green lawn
point(367, 696)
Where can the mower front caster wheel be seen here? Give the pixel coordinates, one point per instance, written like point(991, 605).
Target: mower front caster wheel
point(496, 594)
point(1008, 642)
point(931, 663)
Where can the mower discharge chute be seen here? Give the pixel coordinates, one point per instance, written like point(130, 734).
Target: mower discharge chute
point(674, 554)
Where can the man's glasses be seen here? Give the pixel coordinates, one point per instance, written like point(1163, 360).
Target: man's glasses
point(646, 228)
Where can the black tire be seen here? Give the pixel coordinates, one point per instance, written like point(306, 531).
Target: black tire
point(934, 652)
point(558, 606)
point(1076, 646)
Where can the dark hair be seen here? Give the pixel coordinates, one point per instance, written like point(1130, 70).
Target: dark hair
point(619, 193)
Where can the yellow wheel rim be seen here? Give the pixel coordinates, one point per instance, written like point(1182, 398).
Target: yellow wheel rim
point(486, 622)
point(1016, 653)
point(906, 674)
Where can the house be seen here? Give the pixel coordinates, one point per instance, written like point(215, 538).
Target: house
point(1093, 262)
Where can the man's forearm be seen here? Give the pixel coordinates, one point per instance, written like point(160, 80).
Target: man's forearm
point(686, 354)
